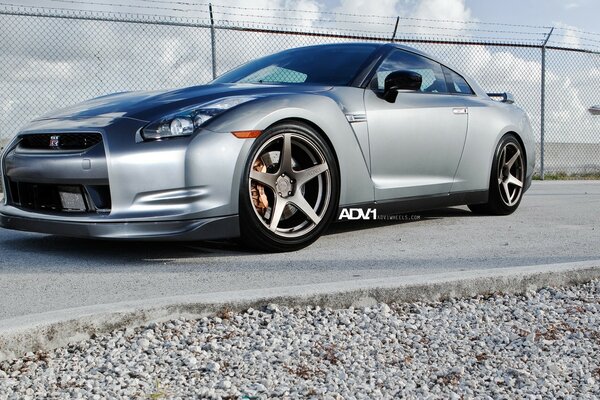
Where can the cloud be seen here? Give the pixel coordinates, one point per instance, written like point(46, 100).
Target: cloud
point(369, 7)
point(452, 10)
point(571, 5)
point(442, 10)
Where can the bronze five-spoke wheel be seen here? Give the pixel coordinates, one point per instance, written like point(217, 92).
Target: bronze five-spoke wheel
point(290, 190)
point(510, 174)
point(507, 179)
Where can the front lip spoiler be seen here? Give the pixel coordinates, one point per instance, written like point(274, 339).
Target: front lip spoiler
point(180, 230)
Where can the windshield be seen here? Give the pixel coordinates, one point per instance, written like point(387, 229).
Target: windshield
point(332, 65)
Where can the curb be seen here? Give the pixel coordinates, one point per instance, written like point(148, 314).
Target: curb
point(54, 329)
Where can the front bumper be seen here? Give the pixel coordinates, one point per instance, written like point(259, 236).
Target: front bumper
point(180, 189)
point(201, 229)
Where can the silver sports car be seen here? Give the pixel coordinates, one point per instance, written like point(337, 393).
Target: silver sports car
point(272, 151)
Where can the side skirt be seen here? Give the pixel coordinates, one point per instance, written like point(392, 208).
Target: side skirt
point(421, 203)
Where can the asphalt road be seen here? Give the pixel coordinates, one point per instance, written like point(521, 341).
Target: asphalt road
point(557, 222)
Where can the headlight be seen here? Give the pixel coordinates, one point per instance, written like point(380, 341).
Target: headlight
point(185, 122)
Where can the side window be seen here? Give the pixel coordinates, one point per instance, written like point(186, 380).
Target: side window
point(432, 73)
point(456, 83)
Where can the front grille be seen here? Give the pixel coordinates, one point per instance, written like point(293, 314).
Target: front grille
point(60, 141)
point(60, 198)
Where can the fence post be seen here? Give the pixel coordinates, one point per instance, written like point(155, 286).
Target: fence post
point(213, 43)
point(543, 104)
point(395, 28)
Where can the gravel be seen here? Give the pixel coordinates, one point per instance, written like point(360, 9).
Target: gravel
point(544, 344)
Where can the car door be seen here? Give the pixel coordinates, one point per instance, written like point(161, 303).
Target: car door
point(416, 142)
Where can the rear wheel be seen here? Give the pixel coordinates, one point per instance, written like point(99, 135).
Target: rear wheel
point(507, 179)
point(290, 189)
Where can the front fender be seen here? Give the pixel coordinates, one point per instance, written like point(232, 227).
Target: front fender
point(355, 181)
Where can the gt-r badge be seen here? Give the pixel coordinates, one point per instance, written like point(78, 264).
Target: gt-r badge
point(54, 141)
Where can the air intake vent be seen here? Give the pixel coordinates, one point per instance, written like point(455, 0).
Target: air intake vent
point(60, 141)
point(60, 198)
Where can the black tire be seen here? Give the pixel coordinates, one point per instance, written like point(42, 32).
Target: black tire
point(300, 174)
point(505, 194)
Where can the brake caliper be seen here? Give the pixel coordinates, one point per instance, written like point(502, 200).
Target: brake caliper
point(259, 198)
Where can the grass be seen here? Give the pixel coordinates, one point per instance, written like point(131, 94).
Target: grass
point(159, 392)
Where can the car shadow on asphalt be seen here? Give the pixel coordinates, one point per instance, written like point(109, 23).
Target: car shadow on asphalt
point(122, 252)
point(399, 219)
point(134, 252)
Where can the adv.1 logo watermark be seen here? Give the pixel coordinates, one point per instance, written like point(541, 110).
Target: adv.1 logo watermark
point(353, 214)
point(358, 213)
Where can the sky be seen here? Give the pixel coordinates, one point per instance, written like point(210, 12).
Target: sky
point(583, 14)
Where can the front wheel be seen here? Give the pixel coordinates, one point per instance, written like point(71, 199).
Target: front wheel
point(290, 189)
point(506, 180)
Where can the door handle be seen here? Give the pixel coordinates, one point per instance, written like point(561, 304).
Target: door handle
point(460, 110)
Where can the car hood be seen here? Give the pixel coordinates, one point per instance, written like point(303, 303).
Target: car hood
point(151, 105)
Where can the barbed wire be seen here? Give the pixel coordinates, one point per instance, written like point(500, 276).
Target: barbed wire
point(177, 2)
point(309, 20)
point(321, 12)
point(383, 16)
point(274, 9)
point(283, 17)
point(367, 33)
point(264, 21)
point(124, 5)
point(472, 30)
point(379, 23)
point(575, 37)
point(299, 28)
point(467, 38)
point(70, 13)
point(578, 31)
point(333, 13)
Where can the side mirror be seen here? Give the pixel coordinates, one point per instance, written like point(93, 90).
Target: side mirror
point(400, 80)
point(505, 97)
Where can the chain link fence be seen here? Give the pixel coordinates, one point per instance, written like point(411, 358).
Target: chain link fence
point(51, 58)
